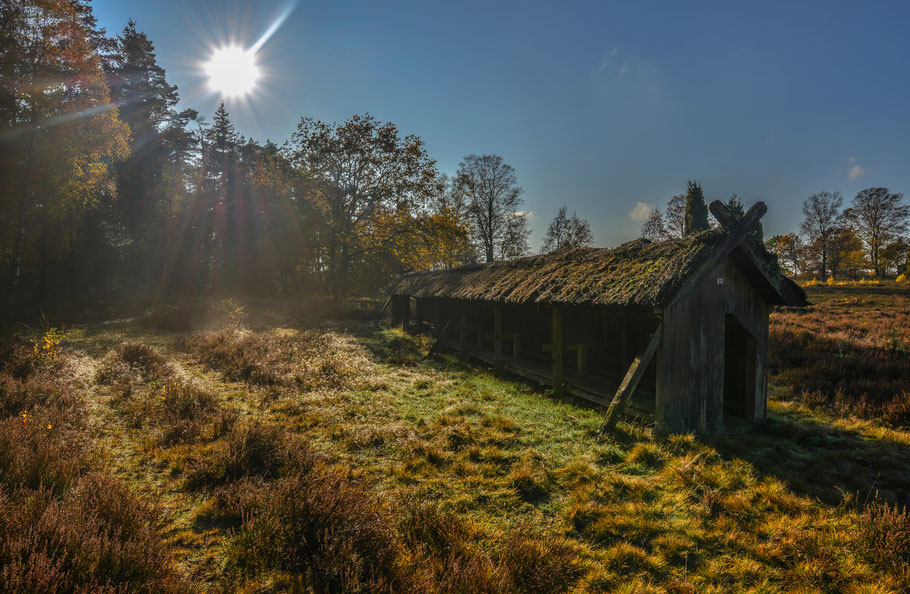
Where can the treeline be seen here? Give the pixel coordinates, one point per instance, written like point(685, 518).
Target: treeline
point(868, 236)
point(108, 191)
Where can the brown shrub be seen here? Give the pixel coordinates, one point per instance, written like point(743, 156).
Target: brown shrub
point(175, 317)
point(323, 528)
point(845, 356)
point(884, 533)
point(98, 537)
point(35, 452)
point(133, 361)
point(252, 449)
point(35, 391)
point(179, 410)
point(240, 357)
point(537, 563)
point(308, 359)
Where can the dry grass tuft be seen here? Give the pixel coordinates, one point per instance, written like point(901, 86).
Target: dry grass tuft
point(884, 532)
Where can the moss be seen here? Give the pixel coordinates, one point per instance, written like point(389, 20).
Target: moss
point(638, 273)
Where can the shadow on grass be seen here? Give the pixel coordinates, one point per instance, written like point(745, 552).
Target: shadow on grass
point(823, 461)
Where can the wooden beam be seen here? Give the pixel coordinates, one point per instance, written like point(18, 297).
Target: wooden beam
point(497, 334)
point(735, 235)
point(439, 338)
point(405, 311)
point(384, 307)
point(728, 220)
point(630, 382)
point(558, 318)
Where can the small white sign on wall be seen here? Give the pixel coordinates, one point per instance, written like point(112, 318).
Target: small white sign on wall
point(720, 281)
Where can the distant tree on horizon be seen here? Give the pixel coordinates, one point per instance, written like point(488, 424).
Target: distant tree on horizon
point(675, 216)
point(879, 217)
point(822, 219)
point(654, 228)
point(789, 251)
point(567, 232)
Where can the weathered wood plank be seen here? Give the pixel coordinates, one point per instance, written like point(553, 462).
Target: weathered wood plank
point(439, 338)
point(558, 323)
point(497, 334)
point(728, 220)
point(384, 307)
point(630, 381)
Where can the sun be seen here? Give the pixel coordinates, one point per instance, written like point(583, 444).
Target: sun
point(232, 71)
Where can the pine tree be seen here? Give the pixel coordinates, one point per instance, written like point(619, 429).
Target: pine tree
point(146, 102)
point(696, 210)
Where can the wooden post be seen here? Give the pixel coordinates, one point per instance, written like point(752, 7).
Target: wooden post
point(463, 328)
point(419, 306)
point(405, 311)
point(436, 315)
point(558, 317)
point(384, 307)
point(630, 382)
point(497, 334)
point(396, 310)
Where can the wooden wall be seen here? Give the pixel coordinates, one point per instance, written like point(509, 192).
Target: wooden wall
point(690, 361)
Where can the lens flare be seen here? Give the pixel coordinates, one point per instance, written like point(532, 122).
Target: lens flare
point(232, 71)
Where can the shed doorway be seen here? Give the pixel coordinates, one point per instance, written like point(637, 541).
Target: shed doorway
point(739, 370)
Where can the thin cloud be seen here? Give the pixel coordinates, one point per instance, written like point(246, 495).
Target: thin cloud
point(856, 170)
point(640, 213)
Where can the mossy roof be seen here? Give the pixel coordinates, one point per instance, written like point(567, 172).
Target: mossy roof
point(637, 273)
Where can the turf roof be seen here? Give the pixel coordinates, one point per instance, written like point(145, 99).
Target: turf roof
point(637, 273)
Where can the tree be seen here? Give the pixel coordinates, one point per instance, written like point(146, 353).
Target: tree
point(675, 217)
point(846, 254)
point(654, 228)
point(788, 249)
point(494, 201)
point(447, 227)
point(696, 210)
point(567, 233)
point(147, 104)
point(879, 218)
point(822, 219)
point(365, 177)
point(60, 132)
point(896, 256)
point(515, 239)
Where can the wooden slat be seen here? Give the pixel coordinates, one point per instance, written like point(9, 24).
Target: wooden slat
point(497, 333)
point(739, 232)
point(630, 382)
point(558, 318)
point(439, 338)
point(382, 311)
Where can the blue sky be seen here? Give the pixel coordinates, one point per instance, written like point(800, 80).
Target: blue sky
point(598, 105)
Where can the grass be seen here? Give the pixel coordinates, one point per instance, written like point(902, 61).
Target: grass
point(359, 466)
point(849, 353)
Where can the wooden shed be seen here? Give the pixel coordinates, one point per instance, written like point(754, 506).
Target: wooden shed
point(675, 331)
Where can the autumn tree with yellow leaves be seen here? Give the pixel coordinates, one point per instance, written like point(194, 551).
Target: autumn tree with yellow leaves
point(59, 132)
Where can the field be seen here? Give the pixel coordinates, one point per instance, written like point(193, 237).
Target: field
point(236, 448)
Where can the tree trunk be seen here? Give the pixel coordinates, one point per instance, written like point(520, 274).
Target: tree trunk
point(19, 248)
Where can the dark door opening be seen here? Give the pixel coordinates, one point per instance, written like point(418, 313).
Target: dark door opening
point(739, 370)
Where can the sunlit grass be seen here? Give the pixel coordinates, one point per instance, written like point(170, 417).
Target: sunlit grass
point(507, 475)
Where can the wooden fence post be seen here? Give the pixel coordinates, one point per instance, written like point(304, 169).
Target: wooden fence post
point(558, 318)
point(497, 334)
